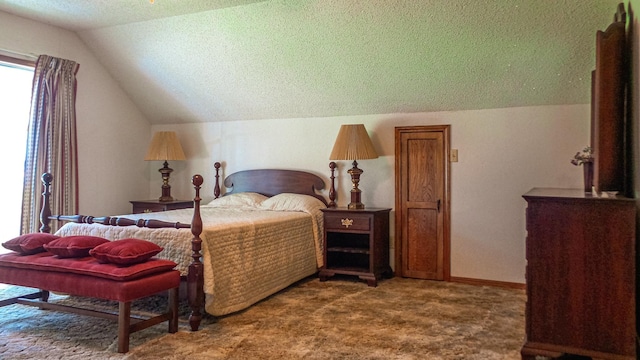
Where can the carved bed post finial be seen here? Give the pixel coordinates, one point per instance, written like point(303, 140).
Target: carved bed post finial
point(332, 188)
point(621, 14)
point(195, 278)
point(216, 188)
point(45, 212)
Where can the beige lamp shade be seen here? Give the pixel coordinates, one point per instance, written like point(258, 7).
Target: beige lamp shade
point(353, 143)
point(165, 146)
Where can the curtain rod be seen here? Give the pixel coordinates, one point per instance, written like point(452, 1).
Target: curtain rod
point(28, 57)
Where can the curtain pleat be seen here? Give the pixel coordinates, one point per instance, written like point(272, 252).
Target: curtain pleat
point(51, 141)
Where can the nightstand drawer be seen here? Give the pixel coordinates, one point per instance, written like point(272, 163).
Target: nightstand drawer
point(147, 206)
point(347, 222)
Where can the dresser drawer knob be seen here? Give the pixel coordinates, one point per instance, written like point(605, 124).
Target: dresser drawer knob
point(346, 222)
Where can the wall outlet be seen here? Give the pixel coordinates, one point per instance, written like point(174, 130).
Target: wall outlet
point(454, 155)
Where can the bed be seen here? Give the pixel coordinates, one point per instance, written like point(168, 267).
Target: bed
point(263, 235)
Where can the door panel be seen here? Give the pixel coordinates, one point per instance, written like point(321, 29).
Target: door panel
point(421, 244)
point(421, 168)
point(422, 202)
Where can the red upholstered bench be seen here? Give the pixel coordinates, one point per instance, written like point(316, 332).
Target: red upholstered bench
point(85, 276)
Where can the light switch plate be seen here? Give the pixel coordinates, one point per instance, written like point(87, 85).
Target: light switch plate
point(454, 155)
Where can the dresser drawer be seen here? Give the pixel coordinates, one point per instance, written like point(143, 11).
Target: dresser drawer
point(347, 222)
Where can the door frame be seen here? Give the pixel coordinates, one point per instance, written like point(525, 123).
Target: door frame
point(446, 203)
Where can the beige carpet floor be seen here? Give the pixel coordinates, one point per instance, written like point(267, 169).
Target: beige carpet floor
point(337, 319)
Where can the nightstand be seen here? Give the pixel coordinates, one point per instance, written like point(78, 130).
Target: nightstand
point(147, 206)
point(356, 242)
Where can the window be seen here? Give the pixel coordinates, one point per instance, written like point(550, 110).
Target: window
point(16, 77)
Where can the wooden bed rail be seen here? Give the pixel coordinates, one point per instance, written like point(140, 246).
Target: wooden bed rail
point(119, 221)
point(195, 276)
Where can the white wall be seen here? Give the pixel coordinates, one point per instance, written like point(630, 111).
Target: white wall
point(112, 133)
point(502, 154)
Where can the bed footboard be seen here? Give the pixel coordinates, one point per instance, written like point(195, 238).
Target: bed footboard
point(195, 275)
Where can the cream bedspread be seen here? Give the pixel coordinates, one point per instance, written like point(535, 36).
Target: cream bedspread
point(248, 252)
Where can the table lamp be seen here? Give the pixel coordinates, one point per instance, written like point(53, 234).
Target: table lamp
point(353, 143)
point(165, 146)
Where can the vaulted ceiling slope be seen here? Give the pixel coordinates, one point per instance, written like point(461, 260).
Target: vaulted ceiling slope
point(222, 60)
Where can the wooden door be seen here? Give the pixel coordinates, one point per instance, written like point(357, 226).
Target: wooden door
point(422, 202)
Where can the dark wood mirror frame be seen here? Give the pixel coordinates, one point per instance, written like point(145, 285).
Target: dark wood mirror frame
point(608, 106)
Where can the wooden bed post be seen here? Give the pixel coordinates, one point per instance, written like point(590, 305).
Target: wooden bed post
point(195, 278)
point(216, 188)
point(45, 212)
point(332, 189)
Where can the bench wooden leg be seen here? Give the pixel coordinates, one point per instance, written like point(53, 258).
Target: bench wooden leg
point(124, 320)
point(174, 299)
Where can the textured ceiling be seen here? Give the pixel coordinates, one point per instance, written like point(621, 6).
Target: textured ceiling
point(199, 61)
point(91, 14)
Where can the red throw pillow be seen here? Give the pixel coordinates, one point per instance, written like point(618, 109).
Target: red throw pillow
point(125, 251)
point(28, 244)
point(73, 246)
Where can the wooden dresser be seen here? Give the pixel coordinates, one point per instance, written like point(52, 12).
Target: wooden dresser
point(581, 274)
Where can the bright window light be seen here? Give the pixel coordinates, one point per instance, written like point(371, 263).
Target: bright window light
point(15, 98)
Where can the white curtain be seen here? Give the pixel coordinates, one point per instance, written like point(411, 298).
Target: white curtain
point(51, 142)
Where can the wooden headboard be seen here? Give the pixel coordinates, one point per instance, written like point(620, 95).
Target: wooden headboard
point(271, 182)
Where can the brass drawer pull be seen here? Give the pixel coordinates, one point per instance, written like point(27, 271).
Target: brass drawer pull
point(346, 222)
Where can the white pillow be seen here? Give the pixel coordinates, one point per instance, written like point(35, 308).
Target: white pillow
point(293, 202)
point(243, 199)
